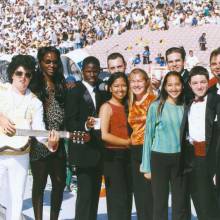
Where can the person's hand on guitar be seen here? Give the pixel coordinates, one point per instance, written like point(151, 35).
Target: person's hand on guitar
point(53, 141)
point(7, 125)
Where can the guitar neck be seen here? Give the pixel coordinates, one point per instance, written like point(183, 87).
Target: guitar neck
point(40, 133)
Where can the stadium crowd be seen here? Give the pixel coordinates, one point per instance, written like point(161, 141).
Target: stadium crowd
point(24, 27)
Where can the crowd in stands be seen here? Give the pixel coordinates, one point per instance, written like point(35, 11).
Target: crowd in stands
point(24, 27)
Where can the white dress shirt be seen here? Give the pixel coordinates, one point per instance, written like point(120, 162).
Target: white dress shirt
point(218, 88)
point(196, 120)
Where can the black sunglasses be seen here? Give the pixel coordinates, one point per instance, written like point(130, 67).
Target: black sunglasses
point(20, 73)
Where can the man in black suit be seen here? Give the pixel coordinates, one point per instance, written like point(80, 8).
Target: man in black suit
point(175, 58)
point(198, 152)
point(81, 111)
point(215, 69)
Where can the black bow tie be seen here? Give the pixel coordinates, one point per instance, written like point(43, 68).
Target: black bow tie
point(200, 99)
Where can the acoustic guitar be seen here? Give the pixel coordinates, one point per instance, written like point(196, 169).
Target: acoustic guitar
point(22, 136)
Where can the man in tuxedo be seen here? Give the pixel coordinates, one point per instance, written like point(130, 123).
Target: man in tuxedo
point(175, 58)
point(81, 111)
point(198, 149)
point(215, 69)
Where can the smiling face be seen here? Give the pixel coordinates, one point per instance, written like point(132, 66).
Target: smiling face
point(173, 88)
point(215, 66)
point(21, 79)
point(119, 89)
point(199, 85)
point(90, 73)
point(49, 64)
point(138, 85)
point(175, 62)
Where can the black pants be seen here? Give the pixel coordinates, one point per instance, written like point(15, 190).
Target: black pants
point(55, 167)
point(118, 184)
point(141, 186)
point(89, 185)
point(202, 191)
point(164, 168)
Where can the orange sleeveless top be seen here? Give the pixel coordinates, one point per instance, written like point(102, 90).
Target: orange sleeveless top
point(118, 125)
point(137, 119)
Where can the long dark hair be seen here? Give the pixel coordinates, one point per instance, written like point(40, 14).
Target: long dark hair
point(163, 94)
point(39, 85)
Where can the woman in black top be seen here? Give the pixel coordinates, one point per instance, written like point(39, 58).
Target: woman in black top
point(49, 86)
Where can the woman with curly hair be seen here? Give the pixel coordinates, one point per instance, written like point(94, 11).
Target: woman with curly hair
point(49, 86)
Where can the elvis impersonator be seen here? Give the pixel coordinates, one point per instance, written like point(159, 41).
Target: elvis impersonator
point(19, 109)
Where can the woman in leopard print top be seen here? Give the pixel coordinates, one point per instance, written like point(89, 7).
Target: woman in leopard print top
point(49, 86)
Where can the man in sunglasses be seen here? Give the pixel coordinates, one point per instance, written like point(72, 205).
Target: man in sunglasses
point(19, 108)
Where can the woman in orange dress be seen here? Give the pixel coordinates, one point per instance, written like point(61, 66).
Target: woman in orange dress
point(140, 98)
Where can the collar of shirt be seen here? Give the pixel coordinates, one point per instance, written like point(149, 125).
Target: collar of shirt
point(182, 73)
point(88, 86)
point(218, 88)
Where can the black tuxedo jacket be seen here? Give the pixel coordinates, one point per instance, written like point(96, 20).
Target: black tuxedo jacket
point(187, 90)
point(216, 134)
point(78, 107)
point(212, 116)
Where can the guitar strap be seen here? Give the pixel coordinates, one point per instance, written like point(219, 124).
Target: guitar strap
point(22, 149)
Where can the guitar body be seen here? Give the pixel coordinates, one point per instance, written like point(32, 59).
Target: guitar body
point(15, 142)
